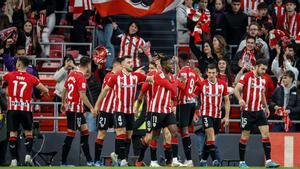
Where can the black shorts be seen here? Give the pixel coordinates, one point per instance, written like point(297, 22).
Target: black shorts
point(251, 119)
point(162, 120)
point(105, 121)
point(185, 114)
point(210, 122)
point(17, 117)
point(75, 120)
point(148, 122)
point(122, 120)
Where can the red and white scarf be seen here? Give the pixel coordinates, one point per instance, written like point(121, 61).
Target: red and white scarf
point(290, 24)
point(286, 119)
point(274, 36)
point(202, 26)
point(248, 57)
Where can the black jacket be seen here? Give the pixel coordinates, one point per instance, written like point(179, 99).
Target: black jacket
point(93, 90)
point(277, 99)
point(39, 5)
point(234, 27)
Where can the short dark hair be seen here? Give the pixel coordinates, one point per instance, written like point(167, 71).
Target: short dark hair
point(268, 25)
point(212, 66)
point(236, 1)
point(153, 63)
point(290, 74)
point(183, 56)
point(20, 48)
point(25, 61)
point(67, 58)
point(262, 62)
point(250, 37)
point(117, 60)
point(84, 61)
point(123, 58)
point(164, 60)
point(262, 5)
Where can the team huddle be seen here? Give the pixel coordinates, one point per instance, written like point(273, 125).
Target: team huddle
point(175, 95)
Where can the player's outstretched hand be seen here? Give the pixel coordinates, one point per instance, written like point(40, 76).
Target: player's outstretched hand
point(225, 120)
point(45, 94)
point(94, 111)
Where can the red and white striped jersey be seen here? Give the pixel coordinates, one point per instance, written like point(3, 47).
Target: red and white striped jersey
point(148, 89)
point(192, 79)
point(250, 5)
point(19, 90)
point(106, 105)
point(78, 6)
point(130, 47)
point(211, 96)
point(279, 9)
point(75, 83)
point(253, 88)
point(125, 86)
point(164, 91)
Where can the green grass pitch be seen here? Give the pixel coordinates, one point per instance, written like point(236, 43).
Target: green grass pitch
point(80, 167)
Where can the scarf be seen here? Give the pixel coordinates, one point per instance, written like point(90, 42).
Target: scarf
point(7, 33)
point(274, 36)
point(248, 57)
point(202, 26)
point(290, 24)
point(286, 119)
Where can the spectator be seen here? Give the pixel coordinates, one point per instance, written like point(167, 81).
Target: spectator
point(206, 57)
point(104, 31)
point(246, 57)
point(276, 10)
point(81, 16)
point(286, 98)
point(260, 45)
point(290, 21)
point(181, 20)
point(285, 61)
point(235, 23)
point(225, 73)
point(130, 42)
point(220, 47)
point(61, 75)
point(44, 10)
point(249, 7)
point(92, 92)
point(263, 14)
point(28, 38)
point(217, 17)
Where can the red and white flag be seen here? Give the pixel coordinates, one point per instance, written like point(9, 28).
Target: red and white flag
point(136, 8)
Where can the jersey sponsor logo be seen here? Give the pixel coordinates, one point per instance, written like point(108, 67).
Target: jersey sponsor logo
point(16, 103)
point(83, 85)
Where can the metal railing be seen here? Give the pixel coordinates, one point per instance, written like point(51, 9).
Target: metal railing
point(56, 116)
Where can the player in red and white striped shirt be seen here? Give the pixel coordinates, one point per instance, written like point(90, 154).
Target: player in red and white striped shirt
point(212, 92)
point(124, 85)
point(73, 98)
point(19, 91)
point(132, 44)
point(105, 118)
point(186, 104)
point(162, 107)
point(250, 91)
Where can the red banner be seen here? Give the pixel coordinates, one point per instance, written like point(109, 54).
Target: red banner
point(136, 8)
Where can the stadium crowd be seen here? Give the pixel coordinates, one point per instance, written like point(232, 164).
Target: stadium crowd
point(243, 52)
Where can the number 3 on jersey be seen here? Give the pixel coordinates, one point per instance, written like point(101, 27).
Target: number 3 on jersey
point(17, 85)
point(70, 89)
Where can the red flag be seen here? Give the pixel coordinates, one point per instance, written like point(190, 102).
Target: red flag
point(136, 8)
